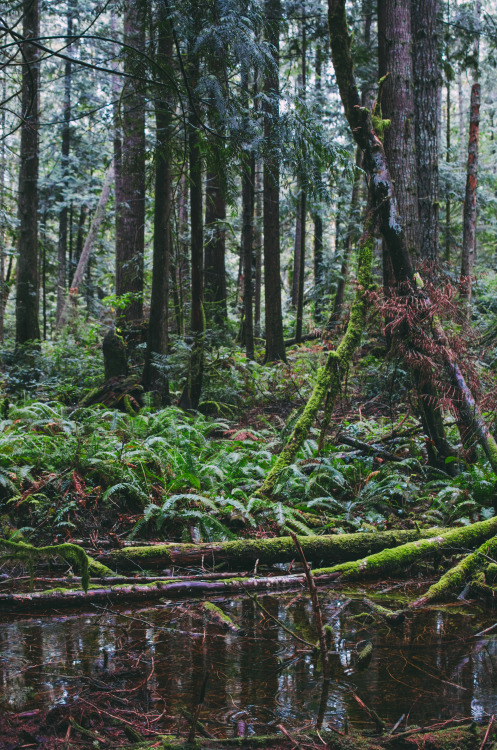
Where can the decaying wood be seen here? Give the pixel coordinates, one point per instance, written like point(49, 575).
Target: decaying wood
point(334, 548)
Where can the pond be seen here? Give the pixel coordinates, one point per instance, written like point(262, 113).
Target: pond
point(144, 668)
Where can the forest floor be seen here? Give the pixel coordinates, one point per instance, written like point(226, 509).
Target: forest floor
point(85, 670)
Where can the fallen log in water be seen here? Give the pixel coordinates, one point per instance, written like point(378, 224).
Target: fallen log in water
point(61, 597)
point(334, 548)
point(465, 735)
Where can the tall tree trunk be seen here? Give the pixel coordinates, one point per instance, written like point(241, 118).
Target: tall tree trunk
point(296, 247)
point(3, 283)
point(397, 105)
point(350, 238)
point(65, 150)
point(390, 224)
point(426, 98)
point(258, 248)
point(469, 210)
point(27, 324)
point(303, 198)
point(190, 397)
point(448, 157)
point(215, 250)
point(247, 250)
point(153, 379)
point(275, 346)
point(316, 217)
point(130, 211)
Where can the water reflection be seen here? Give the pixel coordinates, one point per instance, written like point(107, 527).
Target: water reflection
point(429, 668)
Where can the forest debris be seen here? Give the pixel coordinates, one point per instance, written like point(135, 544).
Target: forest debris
point(380, 724)
point(458, 575)
point(278, 622)
point(316, 608)
point(148, 592)
point(365, 656)
point(216, 614)
point(399, 558)
point(334, 548)
point(371, 450)
point(393, 618)
point(492, 719)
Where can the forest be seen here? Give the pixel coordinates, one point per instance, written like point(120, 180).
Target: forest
point(248, 374)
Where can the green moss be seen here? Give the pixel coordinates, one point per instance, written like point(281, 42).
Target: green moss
point(398, 558)
point(365, 656)
point(460, 574)
point(335, 547)
point(70, 552)
point(491, 574)
point(218, 615)
point(329, 376)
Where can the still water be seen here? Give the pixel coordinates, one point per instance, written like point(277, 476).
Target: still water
point(147, 665)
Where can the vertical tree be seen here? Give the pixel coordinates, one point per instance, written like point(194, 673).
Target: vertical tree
point(65, 149)
point(157, 342)
point(426, 97)
point(469, 210)
point(316, 216)
point(396, 100)
point(130, 208)
point(302, 208)
point(215, 248)
point(190, 397)
point(27, 324)
point(275, 346)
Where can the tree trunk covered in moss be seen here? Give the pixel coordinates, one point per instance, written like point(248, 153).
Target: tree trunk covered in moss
point(242, 552)
point(338, 361)
point(275, 347)
point(391, 561)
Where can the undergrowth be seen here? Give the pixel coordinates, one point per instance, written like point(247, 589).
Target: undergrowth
point(67, 474)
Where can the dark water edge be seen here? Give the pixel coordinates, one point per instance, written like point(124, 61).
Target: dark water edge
point(146, 666)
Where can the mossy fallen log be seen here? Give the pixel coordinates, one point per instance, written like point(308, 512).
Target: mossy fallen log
point(457, 577)
point(466, 736)
point(28, 554)
point(391, 561)
point(334, 548)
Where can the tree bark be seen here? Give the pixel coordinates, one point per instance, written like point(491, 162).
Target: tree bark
point(130, 210)
point(215, 250)
point(275, 347)
point(157, 341)
point(247, 250)
point(65, 150)
point(190, 397)
point(390, 222)
point(27, 323)
point(426, 97)
point(397, 105)
point(470, 202)
point(244, 552)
